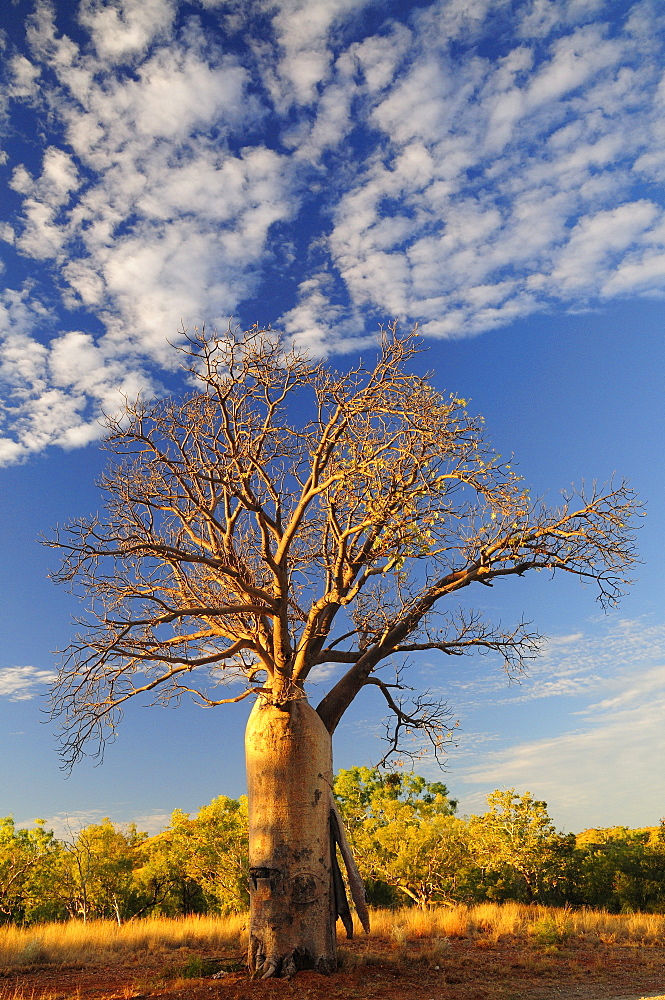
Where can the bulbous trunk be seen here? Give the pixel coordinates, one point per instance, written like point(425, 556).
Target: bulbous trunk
point(291, 850)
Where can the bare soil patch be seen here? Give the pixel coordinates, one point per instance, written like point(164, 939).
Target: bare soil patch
point(459, 969)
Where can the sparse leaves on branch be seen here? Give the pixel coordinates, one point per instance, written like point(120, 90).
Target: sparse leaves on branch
point(283, 516)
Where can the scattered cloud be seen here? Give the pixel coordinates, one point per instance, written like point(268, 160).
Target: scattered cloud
point(581, 663)
point(23, 683)
point(302, 30)
point(591, 776)
point(66, 825)
point(126, 28)
point(459, 164)
point(610, 691)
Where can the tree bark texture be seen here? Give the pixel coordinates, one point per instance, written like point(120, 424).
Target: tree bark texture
point(291, 849)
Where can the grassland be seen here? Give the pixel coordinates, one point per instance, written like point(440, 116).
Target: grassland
point(469, 953)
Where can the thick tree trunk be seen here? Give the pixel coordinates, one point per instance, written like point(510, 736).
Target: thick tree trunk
point(291, 850)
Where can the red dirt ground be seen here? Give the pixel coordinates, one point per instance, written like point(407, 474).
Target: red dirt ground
point(373, 970)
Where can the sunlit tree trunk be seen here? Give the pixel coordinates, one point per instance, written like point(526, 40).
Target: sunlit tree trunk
point(289, 778)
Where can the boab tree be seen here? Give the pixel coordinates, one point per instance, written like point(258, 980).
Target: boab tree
point(286, 516)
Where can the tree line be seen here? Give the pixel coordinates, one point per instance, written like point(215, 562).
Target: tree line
point(410, 845)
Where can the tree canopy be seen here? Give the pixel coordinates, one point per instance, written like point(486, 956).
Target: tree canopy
point(284, 515)
point(403, 832)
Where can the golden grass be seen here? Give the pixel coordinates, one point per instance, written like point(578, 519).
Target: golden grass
point(493, 921)
point(75, 943)
point(99, 942)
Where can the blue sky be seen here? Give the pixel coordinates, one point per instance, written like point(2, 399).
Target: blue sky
point(490, 170)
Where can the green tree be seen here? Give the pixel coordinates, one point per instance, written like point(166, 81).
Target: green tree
point(242, 542)
point(620, 870)
point(27, 859)
point(404, 833)
point(97, 878)
point(161, 880)
point(516, 841)
point(200, 863)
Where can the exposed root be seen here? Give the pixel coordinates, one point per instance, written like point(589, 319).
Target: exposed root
point(282, 967)
point(341, 902)
point(268, 969)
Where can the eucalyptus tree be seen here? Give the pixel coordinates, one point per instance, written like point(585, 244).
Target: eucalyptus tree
point(28, 858)
point(96, 880)
point(283, 516)
point(404, 833)
point(516, 839)
point(200, 861)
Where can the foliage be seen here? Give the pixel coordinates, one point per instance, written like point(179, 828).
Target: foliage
point(403, 832)
point(105, 871)
point(96, 874)
point(517, 841)
point(200, 864)
point(410, 846)
point(620, 870)
point(27, 858)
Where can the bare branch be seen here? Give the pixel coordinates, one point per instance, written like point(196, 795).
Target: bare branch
point(234, 540)
point(427, 717)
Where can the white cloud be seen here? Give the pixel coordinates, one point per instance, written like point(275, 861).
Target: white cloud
point(604, 768)
point(156, 225)
point(578, 663)
point(42, 235)
point(584, 258)
point(453, 20)
point(632, 691)
point(66, 826)
point(575, 59)
point(22, 364)
point(522, 208)
point(641, 275)
point(332, 123)
point(436, 184)
point(318, 325)
point(126, 27)
point(23, 683)
point(378, 57)
point(609, 773)
point(54, 395)
point(24, 77)
point(302, 29)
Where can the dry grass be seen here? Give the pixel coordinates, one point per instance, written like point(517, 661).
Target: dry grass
point(13, 991)
point(99, 941)
point(492, 922)
point(405, 931)
point(489, 951)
